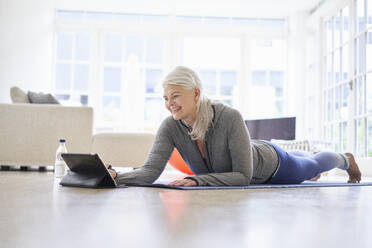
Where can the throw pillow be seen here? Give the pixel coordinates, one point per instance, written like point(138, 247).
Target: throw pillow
point(18, 96)
point(42, 98)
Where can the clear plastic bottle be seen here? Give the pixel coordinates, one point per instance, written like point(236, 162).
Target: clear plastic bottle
point(60, 164)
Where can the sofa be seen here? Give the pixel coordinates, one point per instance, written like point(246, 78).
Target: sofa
point(30, 133)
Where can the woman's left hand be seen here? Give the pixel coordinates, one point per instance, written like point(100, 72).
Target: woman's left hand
point(183, 182)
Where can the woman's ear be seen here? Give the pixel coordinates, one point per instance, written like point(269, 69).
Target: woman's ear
point(197, 94)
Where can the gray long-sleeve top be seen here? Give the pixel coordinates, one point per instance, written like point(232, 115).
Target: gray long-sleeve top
point(231, 157)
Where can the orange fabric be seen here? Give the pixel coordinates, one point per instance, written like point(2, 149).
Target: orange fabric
point(177, 162)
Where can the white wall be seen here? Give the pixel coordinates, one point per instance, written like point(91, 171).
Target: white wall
point(26, 45)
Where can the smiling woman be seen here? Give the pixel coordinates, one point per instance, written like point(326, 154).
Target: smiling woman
point(214, 142)
point(181, 103)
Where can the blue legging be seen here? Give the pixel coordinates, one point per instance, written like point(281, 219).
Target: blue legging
point(296, 166)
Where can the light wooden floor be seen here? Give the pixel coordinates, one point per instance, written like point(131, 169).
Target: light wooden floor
point(37, 212)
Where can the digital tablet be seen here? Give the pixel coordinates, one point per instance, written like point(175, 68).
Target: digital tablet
point(86, 170)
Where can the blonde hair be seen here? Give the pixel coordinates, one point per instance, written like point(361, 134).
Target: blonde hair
point(189, 80)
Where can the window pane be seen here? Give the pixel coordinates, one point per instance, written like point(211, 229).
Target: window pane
point(369, 50)
point(112, 79)
point(325, 99)
point(111, 108)
point(360, 14)
point(277, 81)
point(337, 137)
point(264, 100)
point(337, 64)
point(369, 93)
point(84, 100)
point(360, 100)
point(63, 97)
point(345, 62)
point(329, 70)
point(344, 101)
point(211, 52)
point(278, 107)
point(361, 137)
point(154, 109)
point(369, 13)
point(155, 50)
point(276, 78)
point(63, 76)
point(330, 105)
point(82, 46)
point(64, 46)
point(337, 102)
point(228, 82)
point(259, 78)
point(113, 48)
point(134, 47)
point(369, 141)
point(344, 136)
point(227, 102)
point(329, 35)
point(153, 80)
point(81, 77)
point(261, 50)
point(361, 54)
point(329, 133)
point(337, 30)
point(346, 29)
point(209, 81)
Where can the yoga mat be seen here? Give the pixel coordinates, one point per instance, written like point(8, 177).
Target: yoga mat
point(305, 184)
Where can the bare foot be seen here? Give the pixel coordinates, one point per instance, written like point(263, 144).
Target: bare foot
point(354, 173)
point(316, 178)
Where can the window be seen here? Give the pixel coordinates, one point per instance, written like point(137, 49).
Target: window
point(115, 62)
point(217, 65)
point(72, 68)
point(361, 87)
point(268, 77)
point(347, 89)
point(132, 70)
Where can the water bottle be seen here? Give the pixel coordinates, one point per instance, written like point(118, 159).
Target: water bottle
point(60, 165)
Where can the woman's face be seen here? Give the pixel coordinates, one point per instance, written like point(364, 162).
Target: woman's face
point(181, 103)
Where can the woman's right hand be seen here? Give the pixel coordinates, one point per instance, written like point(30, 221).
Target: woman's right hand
point(113, 173)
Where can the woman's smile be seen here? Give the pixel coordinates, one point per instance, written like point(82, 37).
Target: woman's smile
point(181, 103)
point(175, 110)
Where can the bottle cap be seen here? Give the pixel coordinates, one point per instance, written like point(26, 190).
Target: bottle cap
point(62, 140)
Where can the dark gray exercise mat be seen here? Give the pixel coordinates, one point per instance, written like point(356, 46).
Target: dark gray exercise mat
point(259, 186)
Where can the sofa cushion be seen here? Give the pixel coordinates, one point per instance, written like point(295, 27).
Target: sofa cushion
point(18, 96)
point(42, 98)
